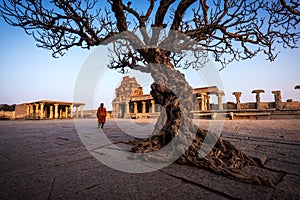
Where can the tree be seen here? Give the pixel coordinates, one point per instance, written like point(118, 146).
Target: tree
point(229, 30)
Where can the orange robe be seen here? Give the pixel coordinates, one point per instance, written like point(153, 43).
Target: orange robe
point(101, 114)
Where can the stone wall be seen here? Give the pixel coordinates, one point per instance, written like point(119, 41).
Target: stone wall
point(20, 111)
point(294, 105)
point(252, 105)
point(267, 105)
point(229, 106)
point(7, 115)
point(291, 105)
point(248, 105)
point(91, 114)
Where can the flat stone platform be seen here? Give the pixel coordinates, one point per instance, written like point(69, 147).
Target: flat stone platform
point(45, 159)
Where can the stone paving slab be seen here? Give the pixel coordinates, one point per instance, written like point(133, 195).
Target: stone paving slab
point(47, 160)
point(219, 184)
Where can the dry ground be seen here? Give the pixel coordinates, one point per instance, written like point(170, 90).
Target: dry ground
point(47, 160)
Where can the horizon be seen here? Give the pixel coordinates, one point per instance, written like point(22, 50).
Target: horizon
point(148, 91)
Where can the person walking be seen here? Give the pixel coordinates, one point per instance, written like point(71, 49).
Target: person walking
point(101, 115)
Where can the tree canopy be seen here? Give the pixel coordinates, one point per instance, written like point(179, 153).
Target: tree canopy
point(229, 30)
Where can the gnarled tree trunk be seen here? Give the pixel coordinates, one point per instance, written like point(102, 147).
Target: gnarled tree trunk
point(171, 90)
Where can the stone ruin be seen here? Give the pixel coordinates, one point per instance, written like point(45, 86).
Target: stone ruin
point(130, 99)
point(44, 109)
point(131, 102)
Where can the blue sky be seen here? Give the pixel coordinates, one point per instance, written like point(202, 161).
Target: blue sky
point(29, 73)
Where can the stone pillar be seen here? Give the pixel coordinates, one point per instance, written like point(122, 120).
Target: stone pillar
point(31, 110)
point(202, 101)
point(198, 104)
point(207, 102)
point(135, 110)
point(76, 112)
point(121, 110)
point(117, 110)
point(257, 92)
point(278, 100)
point(51, 112)
point(36, 111)
point(45, 111)
point(144, 107)
point(60, 113)
point(81, 111)
point(66, 111)
point(152, 106)
point(220, 99)
point(27, 111)
point(71, 110)
point(113, 108)
point(42, 111)
point(238, 99)
point(127, 107)
point(56, 110)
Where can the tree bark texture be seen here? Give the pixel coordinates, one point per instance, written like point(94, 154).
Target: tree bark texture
point(171, 90)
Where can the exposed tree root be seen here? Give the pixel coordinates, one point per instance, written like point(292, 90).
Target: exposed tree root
point(215, 154)
point(224, 159)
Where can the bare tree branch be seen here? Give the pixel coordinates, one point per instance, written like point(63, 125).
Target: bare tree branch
point(229, 30)
point(240, 23)
point(118, 9)
point(161, 13)
point(291, 9)
point(179, 13)
point(64, 26)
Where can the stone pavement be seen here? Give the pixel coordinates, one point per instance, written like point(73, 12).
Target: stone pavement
point(46, 160)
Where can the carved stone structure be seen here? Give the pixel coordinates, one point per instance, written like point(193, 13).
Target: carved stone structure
point(203, 95)
point(257, 92)
point(220, 100)
point(47, 109)
point(129, 99)
point(131, 102)
point(278, 100)
point(238, 99)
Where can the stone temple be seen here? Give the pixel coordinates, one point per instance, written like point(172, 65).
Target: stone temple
point(45, 109)
point(131, 102)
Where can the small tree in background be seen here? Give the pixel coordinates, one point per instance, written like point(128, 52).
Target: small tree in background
point(229, 30)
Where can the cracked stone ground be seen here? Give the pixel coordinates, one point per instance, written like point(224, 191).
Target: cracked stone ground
point(47, 160)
